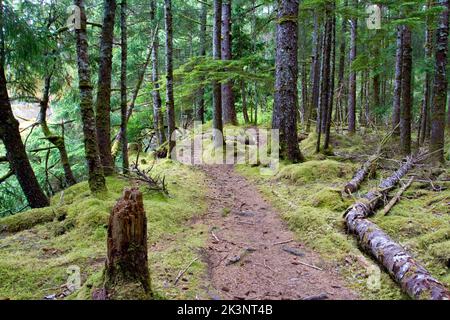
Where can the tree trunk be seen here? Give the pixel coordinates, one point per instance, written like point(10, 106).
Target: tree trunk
point(170, 103)
point(352, 77)
point(217, 94)
point(228, 107)
point(315, 72)
point(10, 135)
point(425, 111)
point(158, 115)
point(414, 279)
point(127, 260)
point(103, 105)
point(96, 178)
point(118, 138)
point(437, 140)
point(341, 73)
point(202, 53)
point(361, 174)
point(406, 106)
point(244, 103)
point(305, 102)
point(398, 82)
point(331, 89)
point(123, 86)
point(325, 80)
point(57, 141)
point(286, 76)
point(15, 150)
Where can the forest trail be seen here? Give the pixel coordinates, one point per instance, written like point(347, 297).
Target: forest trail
point(242, 224)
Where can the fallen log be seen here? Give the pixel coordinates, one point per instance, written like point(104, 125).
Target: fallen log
point(361, 174)
point(413, 278)
point(369, 167)
point(395, 199)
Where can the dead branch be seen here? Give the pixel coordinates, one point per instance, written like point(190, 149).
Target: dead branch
point(413, 278)
point(394, 200)
point(180, 274)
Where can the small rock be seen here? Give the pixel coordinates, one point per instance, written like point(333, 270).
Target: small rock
point(225, 289)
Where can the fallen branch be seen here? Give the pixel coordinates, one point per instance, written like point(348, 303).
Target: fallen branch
point(293, 251)
point(282, 242)
point(413, 278)
point(180, 274)
point(369, 166)
point(361, 175)
point(309, 265)
point(395, 199)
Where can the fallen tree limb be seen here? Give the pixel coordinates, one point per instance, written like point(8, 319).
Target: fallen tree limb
point(413, 278)
point(369, 166)
point(361, 175)
point(395, 199)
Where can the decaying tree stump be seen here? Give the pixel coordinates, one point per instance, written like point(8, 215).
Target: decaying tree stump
point(127, 261)
point(413, 278)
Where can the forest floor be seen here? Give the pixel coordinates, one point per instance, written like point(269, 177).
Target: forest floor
point(228, 229)
point(252, 254)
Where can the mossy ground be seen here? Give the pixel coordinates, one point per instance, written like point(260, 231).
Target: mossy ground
point(309, 197)
point(34, 262)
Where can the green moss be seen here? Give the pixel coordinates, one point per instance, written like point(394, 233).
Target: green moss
point(50, 246)
point(31, 218)
point(313, 171)
point(441, 251)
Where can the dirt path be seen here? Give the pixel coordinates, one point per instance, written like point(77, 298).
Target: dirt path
point(242, 224)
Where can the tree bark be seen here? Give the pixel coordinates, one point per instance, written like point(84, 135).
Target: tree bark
point(170, 103)
point(96, 178)
point(331, 89)
point(285, 108)
point(425, 111)
point(127, 260)
point(361, 175)
point(437, 140)
point(103, 105)
point(15, 150)
point(315, 71)
point(352, 77)
point(244, 102)
point(398, 82)
point(217, 93)
point(341, 73)
point(228, 107)
point(325, 79)
point(158, 115)
point(202, 53)
point(57, 141)
point(123, 86)
point(406, 106)
point(413, 278)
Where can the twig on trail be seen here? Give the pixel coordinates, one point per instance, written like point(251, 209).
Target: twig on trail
point(268, 267)
point(180, 274)
point(245, 222)
point(310, 265)
point(282, 242)
point(394, 200)
point(321, 296)
point(215, 237)
point(293, 251)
